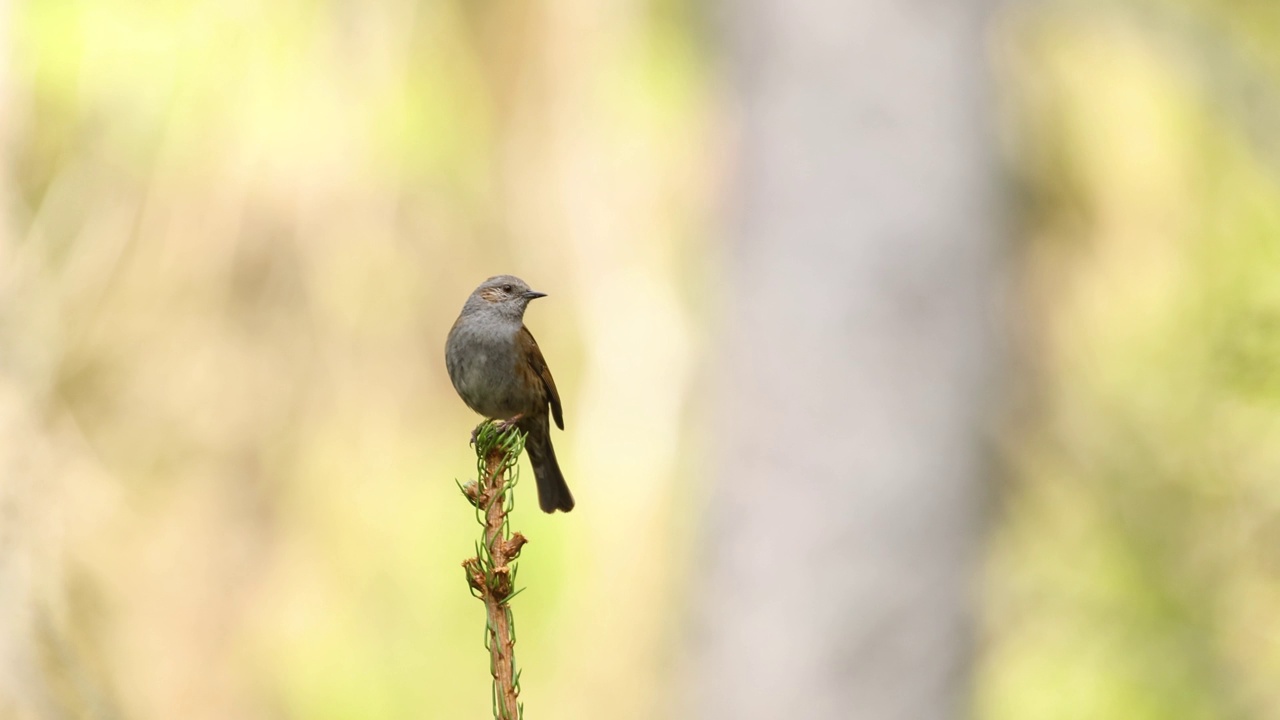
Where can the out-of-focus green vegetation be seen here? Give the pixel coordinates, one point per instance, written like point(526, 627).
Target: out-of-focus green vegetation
point(1136, 562)
point(235, 235)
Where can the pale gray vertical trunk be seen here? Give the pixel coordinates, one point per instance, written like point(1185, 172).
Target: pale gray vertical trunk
point(854, 371)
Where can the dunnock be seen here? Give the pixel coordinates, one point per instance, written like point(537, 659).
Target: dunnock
point(497, 368)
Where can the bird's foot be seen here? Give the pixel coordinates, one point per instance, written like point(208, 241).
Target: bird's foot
point(502, 426)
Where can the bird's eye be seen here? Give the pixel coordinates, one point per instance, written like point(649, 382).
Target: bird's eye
point(506, 288)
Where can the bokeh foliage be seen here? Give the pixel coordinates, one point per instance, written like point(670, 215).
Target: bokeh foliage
point(1136, 562)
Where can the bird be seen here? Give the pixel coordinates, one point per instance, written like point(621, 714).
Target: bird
point(498, 370)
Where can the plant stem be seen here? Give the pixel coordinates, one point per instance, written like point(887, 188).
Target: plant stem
point(490, 575)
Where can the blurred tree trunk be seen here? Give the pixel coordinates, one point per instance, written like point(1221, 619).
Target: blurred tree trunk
point(853, 390)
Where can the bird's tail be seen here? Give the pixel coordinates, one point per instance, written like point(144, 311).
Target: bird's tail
point(553, 491)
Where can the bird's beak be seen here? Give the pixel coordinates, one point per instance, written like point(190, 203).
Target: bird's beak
point(533, 295)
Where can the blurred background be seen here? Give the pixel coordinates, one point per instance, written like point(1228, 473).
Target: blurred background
point(233, 237)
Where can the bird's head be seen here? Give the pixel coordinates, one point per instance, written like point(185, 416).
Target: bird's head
point(506, 295)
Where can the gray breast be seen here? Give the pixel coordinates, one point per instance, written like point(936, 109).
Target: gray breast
point(481, 360)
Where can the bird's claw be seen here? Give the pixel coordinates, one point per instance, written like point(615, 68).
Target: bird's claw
point(501, 426)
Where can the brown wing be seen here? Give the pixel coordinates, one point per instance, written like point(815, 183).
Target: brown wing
point(539, 367)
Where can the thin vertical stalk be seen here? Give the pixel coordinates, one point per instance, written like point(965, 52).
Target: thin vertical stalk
point(491, 573)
